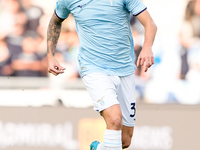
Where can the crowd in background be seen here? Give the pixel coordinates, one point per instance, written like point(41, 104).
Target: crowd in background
point(179, 83)
point(23, 30)
point(22, 41)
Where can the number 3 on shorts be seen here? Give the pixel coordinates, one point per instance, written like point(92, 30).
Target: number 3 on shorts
point(134, 110)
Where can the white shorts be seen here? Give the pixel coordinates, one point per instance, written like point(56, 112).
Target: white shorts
point(106, 91)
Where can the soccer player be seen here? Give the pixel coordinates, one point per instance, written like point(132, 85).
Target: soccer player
point(106, 58)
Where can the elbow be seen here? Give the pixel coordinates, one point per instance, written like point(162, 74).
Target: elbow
point(154, 26)
point(151, 26)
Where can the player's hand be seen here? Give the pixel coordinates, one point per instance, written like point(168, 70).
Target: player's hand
point(54, 67)
point(145, 59)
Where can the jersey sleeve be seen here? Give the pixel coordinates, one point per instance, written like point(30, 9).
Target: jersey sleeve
point(61, 9)
point(135, 6)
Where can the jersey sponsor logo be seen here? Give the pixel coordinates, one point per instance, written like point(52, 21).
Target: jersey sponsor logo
point(81, 6)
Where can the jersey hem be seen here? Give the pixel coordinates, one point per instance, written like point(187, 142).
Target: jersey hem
point(107, 73)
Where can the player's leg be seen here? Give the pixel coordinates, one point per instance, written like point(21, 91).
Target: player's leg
point(102, 89)
point(113, 132)
point(113, 117)
point(126, 98)
point(127, 133)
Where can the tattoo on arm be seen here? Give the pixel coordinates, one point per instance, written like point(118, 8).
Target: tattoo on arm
point(53, 33)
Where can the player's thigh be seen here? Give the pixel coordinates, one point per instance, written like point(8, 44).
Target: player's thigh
point(126, 98)
point(102, 90)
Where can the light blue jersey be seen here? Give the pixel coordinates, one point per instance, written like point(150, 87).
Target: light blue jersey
point(103, 27)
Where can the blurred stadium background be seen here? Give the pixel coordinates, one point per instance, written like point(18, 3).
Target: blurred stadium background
point(40, 111)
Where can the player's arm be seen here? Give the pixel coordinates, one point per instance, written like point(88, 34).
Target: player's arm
point(53, 34)
point(146, 57)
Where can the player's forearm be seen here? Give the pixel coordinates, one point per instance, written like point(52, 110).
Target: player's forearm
point(53, 34)
point(150, 33)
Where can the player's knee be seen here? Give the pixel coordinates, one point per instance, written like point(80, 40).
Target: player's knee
point(116, 123)
point(113, 117)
